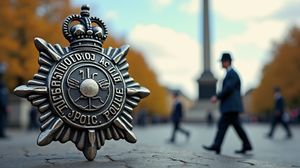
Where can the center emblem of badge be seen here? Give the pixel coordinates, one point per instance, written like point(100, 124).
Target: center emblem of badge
point(87, 89)
point(83, 92)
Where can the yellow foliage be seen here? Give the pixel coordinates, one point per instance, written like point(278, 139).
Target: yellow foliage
point(21, 22)
point(282, 71)
point(157, 103)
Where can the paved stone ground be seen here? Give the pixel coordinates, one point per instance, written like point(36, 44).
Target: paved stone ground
point(151, 150)
point(279, 150)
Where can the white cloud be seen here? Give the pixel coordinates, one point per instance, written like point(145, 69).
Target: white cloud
point(240, 10)
point(161, 3)
point(177, 60)
point(173, 55)
point(190, 7)
point(251, 47)
point(257, 34)
point(111, 15)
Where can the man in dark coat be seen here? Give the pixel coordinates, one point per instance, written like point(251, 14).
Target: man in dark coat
point(3, 101)
point(279, 114)
point(33, 118)
point(230, 107)
point(176, 117)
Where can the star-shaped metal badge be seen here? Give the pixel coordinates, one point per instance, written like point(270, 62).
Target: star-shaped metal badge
point(83, 92)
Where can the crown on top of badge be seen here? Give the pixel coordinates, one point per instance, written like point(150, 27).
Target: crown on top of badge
point(83, 30)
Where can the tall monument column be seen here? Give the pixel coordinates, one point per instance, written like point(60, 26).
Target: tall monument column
point(207, 81)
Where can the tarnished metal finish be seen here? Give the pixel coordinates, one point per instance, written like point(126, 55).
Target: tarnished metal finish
point(83, 92)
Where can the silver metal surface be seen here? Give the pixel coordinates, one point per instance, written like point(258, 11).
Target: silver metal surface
point(83, 92)
point(89, 88)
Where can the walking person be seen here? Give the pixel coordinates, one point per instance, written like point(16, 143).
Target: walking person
point(209, 118)
point(230, 107)
point(3, 101)
point(279, 114)
point(176, 117)
point(33, 119)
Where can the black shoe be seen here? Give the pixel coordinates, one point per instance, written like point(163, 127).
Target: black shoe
point(212, 148)
point(243, 150)
point(4, 137)
point(188, 135)
point(289, 136)
point(268, 136)
point(171, 141)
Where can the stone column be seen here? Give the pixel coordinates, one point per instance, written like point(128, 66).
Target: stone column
point(206, 39)
point(207, 81)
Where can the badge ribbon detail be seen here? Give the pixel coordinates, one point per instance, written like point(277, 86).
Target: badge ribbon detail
point(83, 92)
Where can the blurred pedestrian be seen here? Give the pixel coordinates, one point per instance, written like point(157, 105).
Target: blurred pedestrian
point(230, 106)
point(209, 118)
point(33, 118)
point(279, 114)
point(3, 101)
point(176, 117)
point(142, 118)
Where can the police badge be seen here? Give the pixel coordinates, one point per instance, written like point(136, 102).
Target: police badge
point(83, 92)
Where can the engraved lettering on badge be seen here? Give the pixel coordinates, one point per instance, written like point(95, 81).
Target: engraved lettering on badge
point(57, 78)
point(87, 89)
point(57, 97)
point(116, 104)
point(83, 119)
point(111, 69)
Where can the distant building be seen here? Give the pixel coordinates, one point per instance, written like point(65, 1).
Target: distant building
point(248, 102)
point(186, 101)
point(18, 115)
point(249, 114)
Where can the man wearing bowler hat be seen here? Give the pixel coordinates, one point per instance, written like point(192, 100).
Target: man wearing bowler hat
point(230, 107)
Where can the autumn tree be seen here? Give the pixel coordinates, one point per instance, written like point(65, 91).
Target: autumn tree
point(157, 102)
point(21, 22)
point(282, 71)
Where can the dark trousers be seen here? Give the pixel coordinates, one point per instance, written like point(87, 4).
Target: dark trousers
point(2, 122)
point(277, 120)
point(33, 120)
point(176, 128)
point(225, 121)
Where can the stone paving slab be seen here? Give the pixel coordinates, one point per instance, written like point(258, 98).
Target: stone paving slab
point(20, 151)
point(278, 151)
